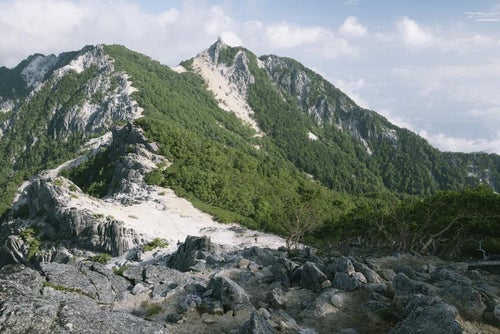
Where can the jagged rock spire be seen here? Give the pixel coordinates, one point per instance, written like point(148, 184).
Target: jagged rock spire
point(215, 49)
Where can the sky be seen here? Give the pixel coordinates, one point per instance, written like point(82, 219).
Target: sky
point(430, 66)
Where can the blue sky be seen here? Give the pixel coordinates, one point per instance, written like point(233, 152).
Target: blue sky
point(430, 66)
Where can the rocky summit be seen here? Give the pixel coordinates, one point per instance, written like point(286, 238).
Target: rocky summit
point(231, 194)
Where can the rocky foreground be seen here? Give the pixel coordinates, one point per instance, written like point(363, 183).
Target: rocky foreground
point(206, 288)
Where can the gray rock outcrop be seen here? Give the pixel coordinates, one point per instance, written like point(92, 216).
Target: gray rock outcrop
point(28, 305)
point(193, 254)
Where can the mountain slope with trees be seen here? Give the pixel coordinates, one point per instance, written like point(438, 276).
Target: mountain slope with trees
point(319, 161)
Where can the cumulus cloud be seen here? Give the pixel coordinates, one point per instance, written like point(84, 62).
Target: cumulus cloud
point(352, 28)
point(285, 35)
point(413, 35)
point(53, 26)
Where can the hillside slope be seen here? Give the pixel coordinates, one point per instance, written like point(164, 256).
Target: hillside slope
point(324, 133)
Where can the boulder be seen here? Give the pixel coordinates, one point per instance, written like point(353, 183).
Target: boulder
point(134, 273)
point(256, 325)
point(192, 254)
point(312, 277)
point(306, 254)
point(276, 297)
point(285, 322)
point(404, 285)
point(407, 270)
point(283, 270)
point(163, 275)
point(341, 264)
point(232, 296)
point(466, 299)
point(445, 276)
point(428, 315)
point(345, 282)
point(262, 256)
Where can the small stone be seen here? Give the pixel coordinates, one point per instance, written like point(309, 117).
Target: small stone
point(360, 277)
point(243, 263)
point(372, 276)
point(254, 266)
point(326, 284)
point(138, 289)
point(338, 300)
point(475, 275)
point(209, 321)
point(373, 287)
point(174, 318)
point(387, 274)
point(265, 313)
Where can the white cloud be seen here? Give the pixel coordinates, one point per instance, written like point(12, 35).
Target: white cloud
point(169, 16)
point(352, 28)
point(284, 35)
point(54, 26)
point(317, 41)
point(453, 144)
point(396, 119)
point(231, 38)
point(476, 84)
point(354, 89)
point(491, 112)
point(413, 35)
point(333, 47)
point(493, 16)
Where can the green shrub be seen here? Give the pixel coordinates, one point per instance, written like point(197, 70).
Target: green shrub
point(29, 235)
point(101, 258)
point(153, 309)
point(119, 270)
point(155, 243)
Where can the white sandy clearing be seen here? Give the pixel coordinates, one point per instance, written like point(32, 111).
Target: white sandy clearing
point(165, 215)
point(231, 97)
point(173, 218)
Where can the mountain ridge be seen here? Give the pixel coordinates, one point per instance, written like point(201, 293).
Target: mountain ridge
point(311, 130)
point(140, 198)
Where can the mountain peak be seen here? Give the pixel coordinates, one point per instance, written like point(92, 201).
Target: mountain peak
point(215, 49)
